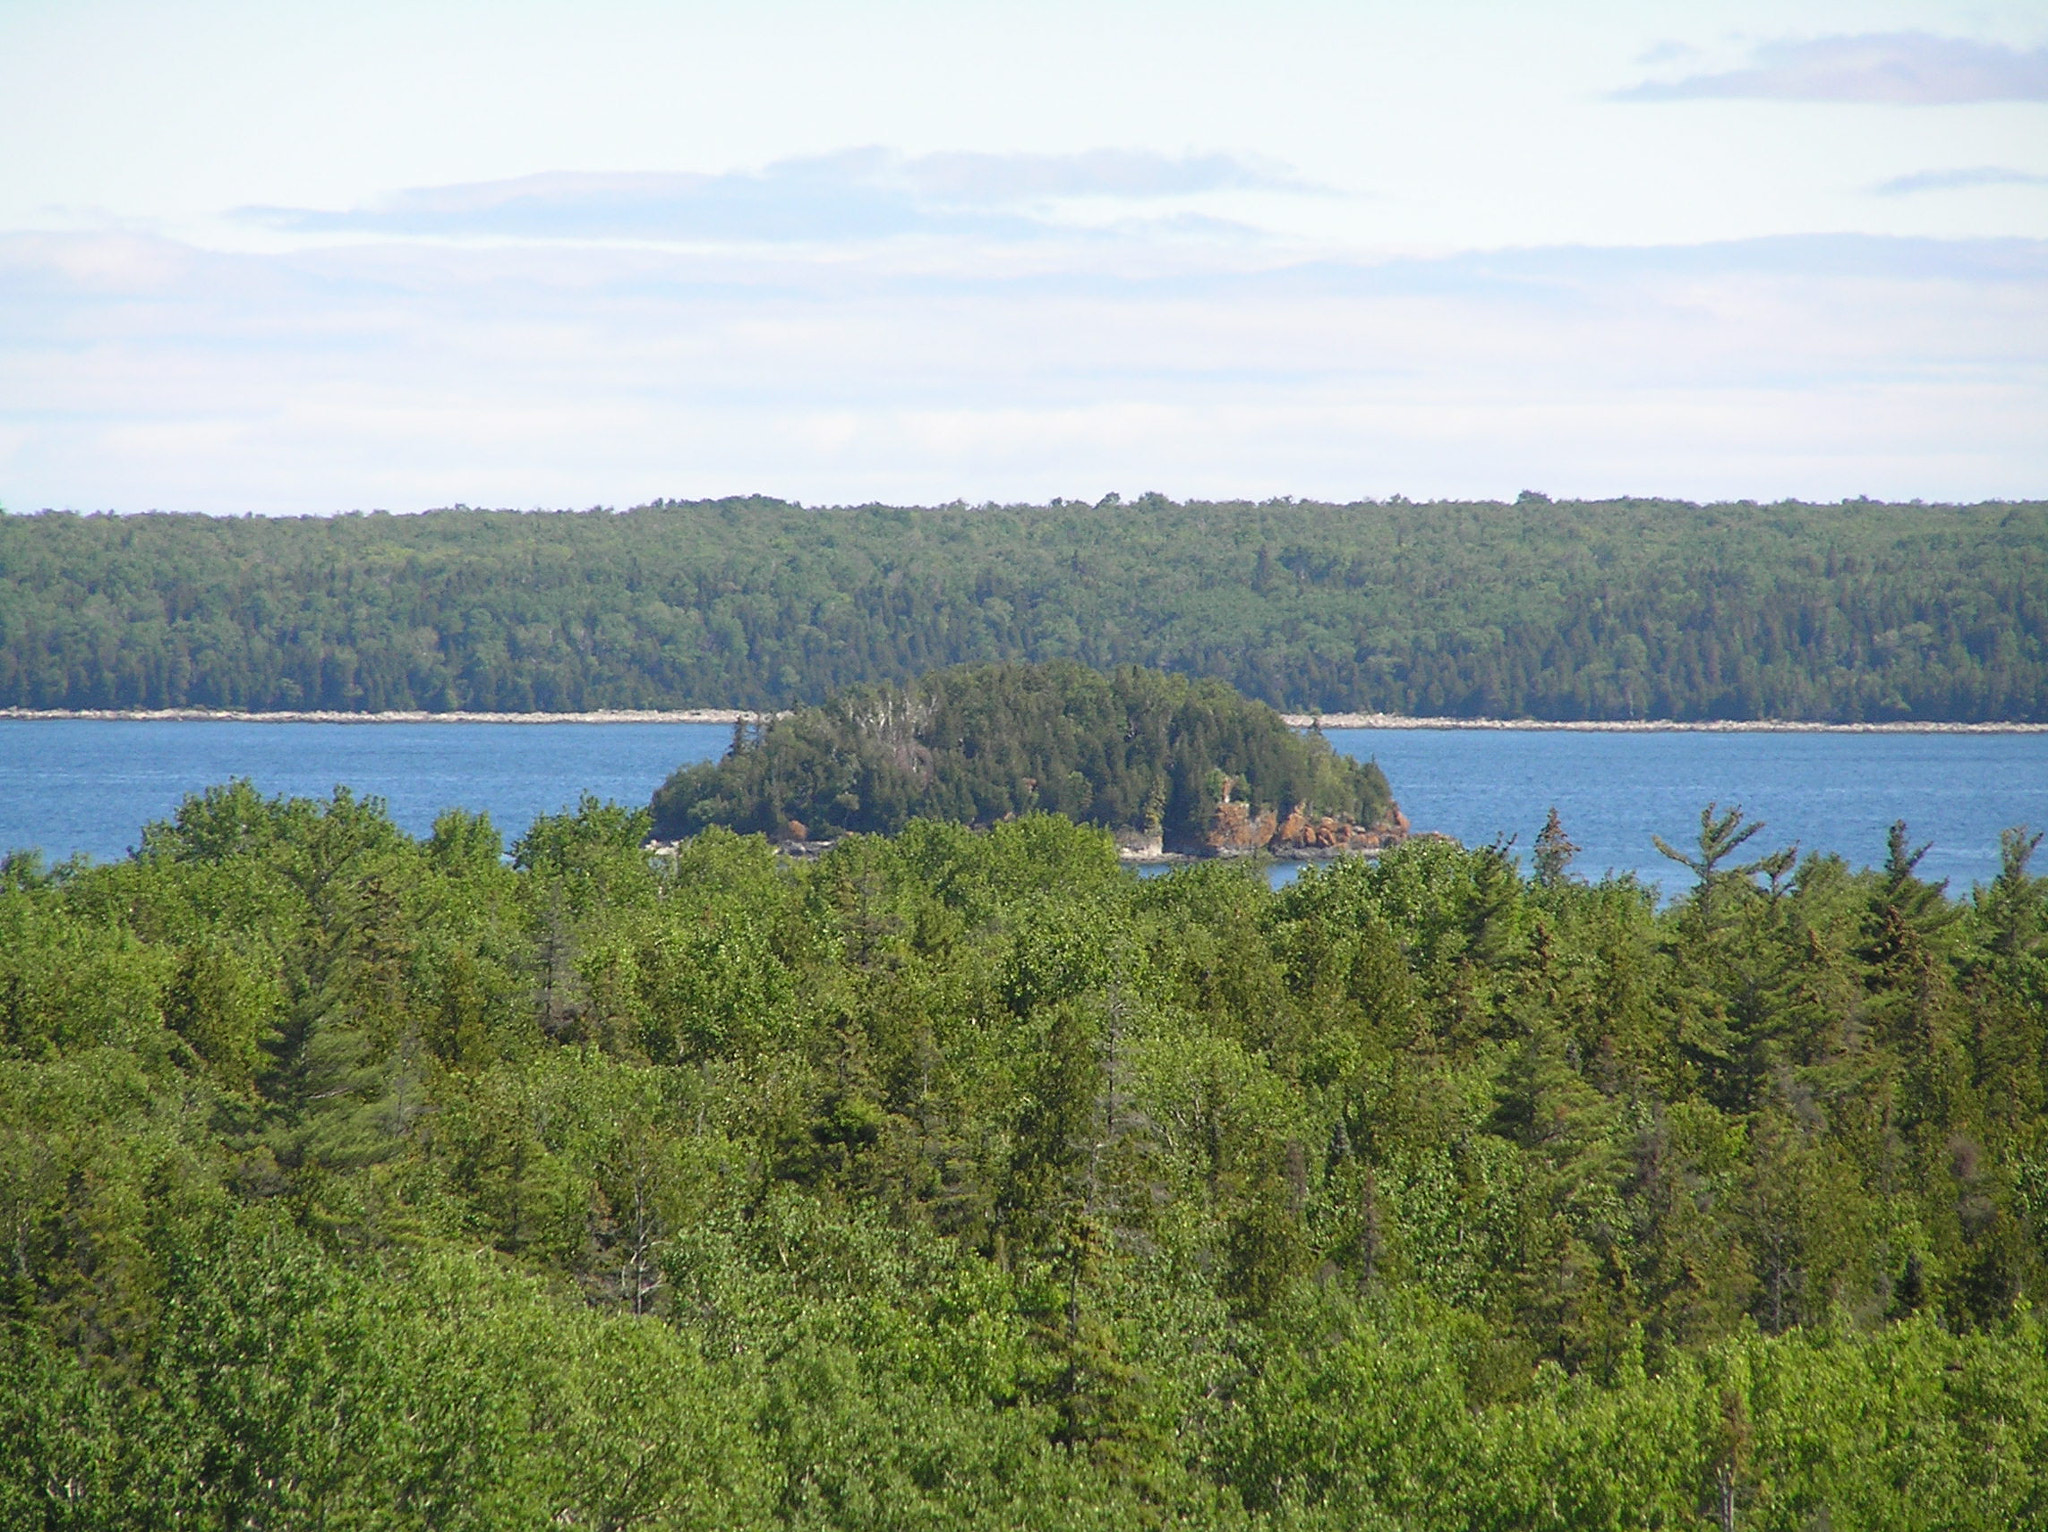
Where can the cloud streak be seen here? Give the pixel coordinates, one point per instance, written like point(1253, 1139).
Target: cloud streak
point(1957, 180)
point(1897, 68)
point(856, 194)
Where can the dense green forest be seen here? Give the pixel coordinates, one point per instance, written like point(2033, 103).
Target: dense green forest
point(1136, 750)
point(965, 1179)
point(1613, 609)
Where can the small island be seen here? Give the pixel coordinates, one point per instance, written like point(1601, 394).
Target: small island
point(1171, 765)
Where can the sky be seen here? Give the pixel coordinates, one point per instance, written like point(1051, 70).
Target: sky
point(308, 258)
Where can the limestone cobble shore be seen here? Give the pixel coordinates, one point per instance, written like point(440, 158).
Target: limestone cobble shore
point(229, 715)
point(1651, 725)
point(726, 715)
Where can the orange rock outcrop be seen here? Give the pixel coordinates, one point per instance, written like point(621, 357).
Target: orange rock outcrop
point(1236, 830)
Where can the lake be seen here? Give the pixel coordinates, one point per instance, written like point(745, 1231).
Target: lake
point(1613, 790)
point(87, 785)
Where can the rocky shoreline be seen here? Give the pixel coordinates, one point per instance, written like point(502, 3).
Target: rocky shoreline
point(726, 715)
point(1129, 856)
point(1649, 725)
point(722, 715)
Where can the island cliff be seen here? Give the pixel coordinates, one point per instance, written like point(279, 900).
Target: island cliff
point(1237, 829)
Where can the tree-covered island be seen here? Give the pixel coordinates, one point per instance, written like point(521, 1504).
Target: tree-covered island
point(1164, 762)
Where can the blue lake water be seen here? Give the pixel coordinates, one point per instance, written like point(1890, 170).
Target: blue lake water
point(1613, 790)
point(90, 785)
point(76, 785)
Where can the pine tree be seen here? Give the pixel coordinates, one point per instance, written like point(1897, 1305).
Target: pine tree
point(1554, 852)
point(1721, 835)
point(2008, 981)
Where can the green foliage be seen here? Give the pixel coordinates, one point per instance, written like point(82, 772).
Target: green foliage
point(1569, 609)
point(963, 1179)
point(1135, 750)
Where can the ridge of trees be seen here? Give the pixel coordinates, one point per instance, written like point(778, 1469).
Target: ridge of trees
point(961, 1179)
point(1135, 750)
point(1629, 608)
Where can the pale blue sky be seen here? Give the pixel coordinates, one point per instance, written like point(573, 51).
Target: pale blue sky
point(308, 258)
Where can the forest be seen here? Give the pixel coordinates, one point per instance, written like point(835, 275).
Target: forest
point(967, 1179)
point(1618, 609)
point(1137, 750)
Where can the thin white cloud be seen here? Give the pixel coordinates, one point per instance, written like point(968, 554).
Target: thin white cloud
point(1957, 180)
point(141, 374)
point(1667, 52)
point(984, 179)
point(1899, 68)
point(855, 194)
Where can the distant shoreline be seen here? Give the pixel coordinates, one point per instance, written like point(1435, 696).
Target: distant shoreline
point(726, 715)
point(224, 715)
point(1652, 725)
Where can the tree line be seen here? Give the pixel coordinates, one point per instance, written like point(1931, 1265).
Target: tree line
point(1598, 610)
point(961, 1179)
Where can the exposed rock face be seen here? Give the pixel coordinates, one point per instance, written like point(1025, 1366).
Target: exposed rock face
point(1236, 830)
point(1140, 845)
point(1299, 834)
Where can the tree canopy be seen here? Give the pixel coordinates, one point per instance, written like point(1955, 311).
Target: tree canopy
point(1633, 608)
point(959, 1179)
point(1134, 750)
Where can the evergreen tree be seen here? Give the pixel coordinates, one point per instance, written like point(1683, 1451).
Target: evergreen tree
point(1554, 852)
point(967, 1179)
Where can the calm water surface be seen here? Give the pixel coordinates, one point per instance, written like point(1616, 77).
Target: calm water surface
point(90, 785)
point(1828, 792)
point(75, 785)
